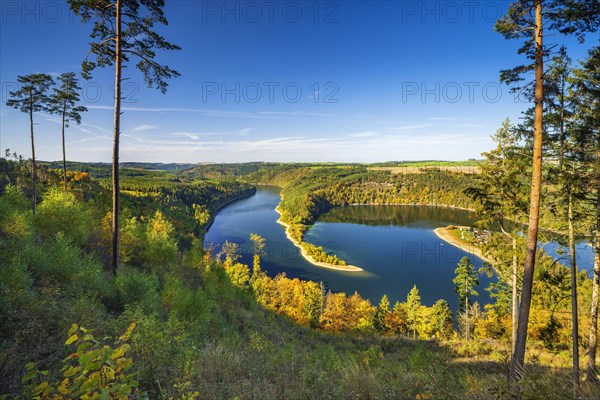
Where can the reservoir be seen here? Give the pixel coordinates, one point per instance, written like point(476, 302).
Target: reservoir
point(395, 246)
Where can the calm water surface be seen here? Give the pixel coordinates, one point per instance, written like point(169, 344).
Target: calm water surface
point(395, 245)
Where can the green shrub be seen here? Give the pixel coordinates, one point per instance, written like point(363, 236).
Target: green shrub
point(61, 262)
point(61, 212)
point(161, 350)
point(15, 282)
point(150, 245)
point(135, 287)
point(190, 305)
point(15, 214)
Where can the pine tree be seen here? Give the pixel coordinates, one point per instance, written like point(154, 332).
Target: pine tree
point(443, 318)
point(413, 304)
point(380, 315)
point(586, 132)
point(465, 281)
point(64, 102)
point(501, 197)
point(565, 173)
point(123, 32)
point(30, 98)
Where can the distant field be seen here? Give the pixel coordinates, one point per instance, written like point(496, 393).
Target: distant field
point(427, 163)
point(418, 169)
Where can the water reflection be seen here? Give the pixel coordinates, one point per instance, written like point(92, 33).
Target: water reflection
point(420, 216)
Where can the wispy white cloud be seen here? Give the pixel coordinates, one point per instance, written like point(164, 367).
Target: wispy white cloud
point(218, 113)
point(79, 127)
point(296, 113)
point(450, 119)
point(144, 127)
point(411, 127)
point(472, 126)
point(96, 127)
point(244, 132)
point(52, 74)
point(363, 134)
point(350, 143)
point(365, 138)
point(189, 135)
point(91, 139)
point(200, 135)
point(136, 138)
point(367, 146)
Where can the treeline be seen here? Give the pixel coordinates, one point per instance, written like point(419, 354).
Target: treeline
point(435, 187)
point(309, 304)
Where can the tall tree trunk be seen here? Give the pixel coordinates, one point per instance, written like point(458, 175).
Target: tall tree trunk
point(515, 293)
point(574, 317)
point(467, 313)
point(117, 132)
point(33, 164)
point(63, 145)
point(518, 358)
point(593, 342)
point(561, 156)
point(514, 286)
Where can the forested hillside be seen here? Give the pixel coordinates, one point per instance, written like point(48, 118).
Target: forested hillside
point(198, 324)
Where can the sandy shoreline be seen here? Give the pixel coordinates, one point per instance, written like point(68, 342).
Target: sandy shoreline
point(307, 257)
point(447, 236)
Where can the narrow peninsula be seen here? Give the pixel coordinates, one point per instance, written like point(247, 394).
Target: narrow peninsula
point(308, 257)
point(451, 235)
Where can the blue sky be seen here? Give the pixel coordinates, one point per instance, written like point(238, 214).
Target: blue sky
point(358, 81)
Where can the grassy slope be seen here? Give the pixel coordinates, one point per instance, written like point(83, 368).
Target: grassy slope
point(272, 358)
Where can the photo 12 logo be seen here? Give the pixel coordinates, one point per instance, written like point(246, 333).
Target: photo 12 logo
point(452, 12)
point(451, 92)
point(253, 12)
point(91, 92)
point(271, 92)
point(426, 252)
point(36, 12)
